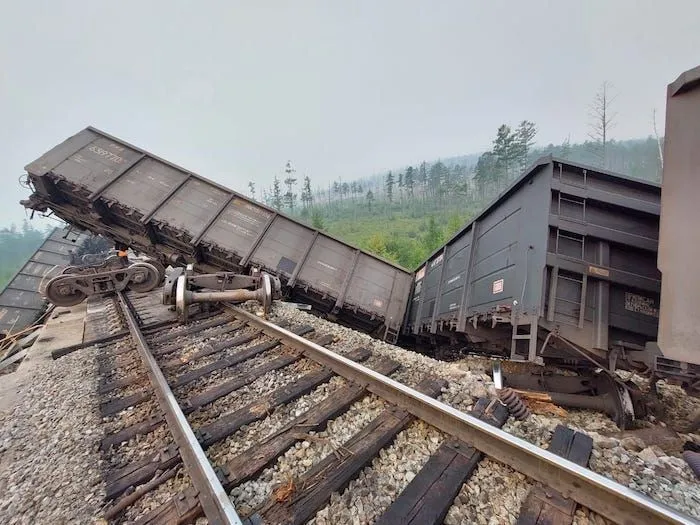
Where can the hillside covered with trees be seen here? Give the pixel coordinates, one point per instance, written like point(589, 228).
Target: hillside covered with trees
point(406, 213)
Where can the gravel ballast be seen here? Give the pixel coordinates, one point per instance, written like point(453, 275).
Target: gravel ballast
point(662, 477)
point(50, 467)
point(51, 470)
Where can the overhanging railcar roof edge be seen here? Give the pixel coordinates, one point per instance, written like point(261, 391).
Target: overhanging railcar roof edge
point(527, 174)
point(239, 195)
point(685, 81)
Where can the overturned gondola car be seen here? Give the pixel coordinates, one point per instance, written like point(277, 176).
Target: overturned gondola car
point(21, 301)
point(561, 267)
point(102, 184)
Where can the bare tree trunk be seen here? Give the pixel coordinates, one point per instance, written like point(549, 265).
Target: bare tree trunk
point(658, 143)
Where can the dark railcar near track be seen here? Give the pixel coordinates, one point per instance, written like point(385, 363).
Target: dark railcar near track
point(567, 250)
point(21, 302)
point(104, 185)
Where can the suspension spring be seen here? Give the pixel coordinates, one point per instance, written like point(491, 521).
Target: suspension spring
point(515, 405)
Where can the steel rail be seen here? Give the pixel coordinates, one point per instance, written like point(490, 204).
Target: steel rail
point(598, 493)
point(215, 502)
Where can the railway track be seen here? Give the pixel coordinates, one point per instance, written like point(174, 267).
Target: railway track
point(230, 403)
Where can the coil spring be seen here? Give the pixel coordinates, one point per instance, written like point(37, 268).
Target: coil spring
point(515, 405)
point(693, 460)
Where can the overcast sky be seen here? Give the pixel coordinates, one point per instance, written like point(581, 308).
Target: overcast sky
point(232, 90)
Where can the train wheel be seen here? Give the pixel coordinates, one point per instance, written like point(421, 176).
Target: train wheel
point(159, 268)
point(61, 292)
point(143, 277)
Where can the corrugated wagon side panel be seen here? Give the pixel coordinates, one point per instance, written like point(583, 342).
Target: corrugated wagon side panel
point(326, 266)
point(96, 164)
point(52, 158)
point(282, 247)
point(22, 299)
point(371, 285)
point(398, 303)
point(15, 319)
point(238, 226)
point(510, 250)
point(191, 207)
point(145, 184)
point(454, 277)
point(430, 287)
point(414, 305)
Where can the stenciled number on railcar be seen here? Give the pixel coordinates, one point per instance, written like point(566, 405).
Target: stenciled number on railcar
point(640, 304)
point(106, 154)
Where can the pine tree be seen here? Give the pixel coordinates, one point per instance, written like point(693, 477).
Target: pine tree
point(336, 188)
point(433, 236)
point(290, 197)
point(505, 152)
point(317, 219)
point(485, 173)
point(276, 194)
point(566, 148)
point(524, 140)
point(251, 188)
point(370, 199)
point(409, 181)
point(306, 196)
point(390, 187)
point(423, 178)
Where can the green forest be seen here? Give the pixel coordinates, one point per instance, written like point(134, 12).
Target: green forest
point(405, 214)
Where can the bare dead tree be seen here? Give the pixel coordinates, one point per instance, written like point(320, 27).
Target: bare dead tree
point(602, 120)
point(659, 142)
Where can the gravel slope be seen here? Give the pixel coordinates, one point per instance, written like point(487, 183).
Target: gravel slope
point(50, 468)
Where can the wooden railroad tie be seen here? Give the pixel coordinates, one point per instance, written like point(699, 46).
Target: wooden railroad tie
point(546, 506)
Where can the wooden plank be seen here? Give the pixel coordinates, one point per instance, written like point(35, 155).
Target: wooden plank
point(428, 497)
point(141, 472)
point(545, 506)
point(226, 425)
point(251, 462)
point(234, 359)
point(334, 472)
point(110, 408)
point(130, 432)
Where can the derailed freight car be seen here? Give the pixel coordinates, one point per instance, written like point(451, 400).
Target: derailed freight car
point(102, 184)
point(679, 245)
point(562, 266)
point(21, 301)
